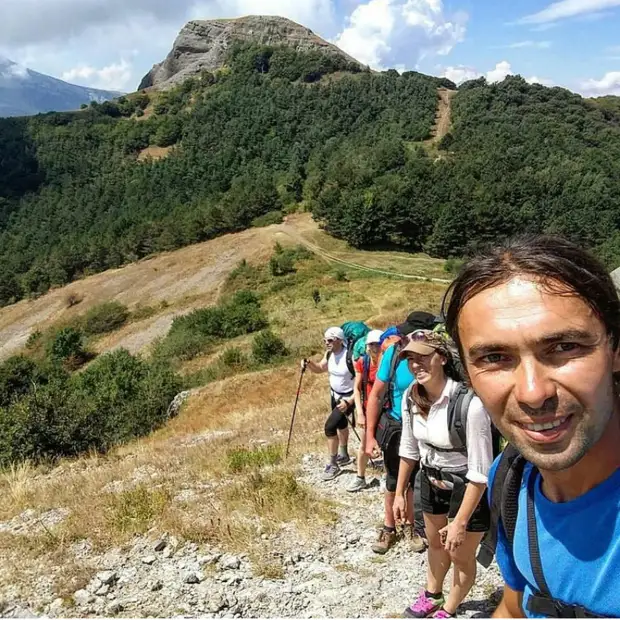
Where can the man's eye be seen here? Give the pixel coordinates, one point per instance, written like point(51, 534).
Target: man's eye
point(494, 358)
point(565, 347)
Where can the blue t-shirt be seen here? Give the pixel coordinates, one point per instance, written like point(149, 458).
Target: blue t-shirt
point(403, 379)
point(579, 547)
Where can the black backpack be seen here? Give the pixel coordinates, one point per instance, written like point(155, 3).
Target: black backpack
point(504, 503)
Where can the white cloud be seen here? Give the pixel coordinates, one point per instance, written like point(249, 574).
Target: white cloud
point(116, 76)
point(544, 81)
point(568, 8)
point(461, 74)
point(379, 30)
point(534, 44)
point(609, 84)
point(370, 27)
point(502, 70)
point(10, 69)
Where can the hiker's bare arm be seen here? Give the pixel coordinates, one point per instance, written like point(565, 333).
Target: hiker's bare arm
point(454, 534)
point(357, 395)
point(372, 415)
point(374, 404)
point(317, 367)
point(404, 474)
point(471, 499)
point(400, 501)
point(511, 605)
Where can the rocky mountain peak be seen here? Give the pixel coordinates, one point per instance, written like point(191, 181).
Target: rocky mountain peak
point(203, 45)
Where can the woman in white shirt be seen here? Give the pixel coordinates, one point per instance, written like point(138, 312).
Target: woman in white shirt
point(453, 478)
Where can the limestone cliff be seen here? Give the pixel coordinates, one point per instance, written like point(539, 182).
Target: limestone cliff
point(203, 45)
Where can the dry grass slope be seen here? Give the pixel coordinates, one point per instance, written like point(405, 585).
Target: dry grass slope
point(215, 473)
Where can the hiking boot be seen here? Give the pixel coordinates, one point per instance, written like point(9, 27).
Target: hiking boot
point(415, 542)
point(343, 460)
point(442, 613)
point(359, 484)
point(384, 542)
point(331, 472)
point(424, 606)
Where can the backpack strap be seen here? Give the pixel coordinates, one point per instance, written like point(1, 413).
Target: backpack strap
point(542, 602)
point(365, 378)
point(349, 358)
point(504, 502)
point(457, 418)
point(388, 395)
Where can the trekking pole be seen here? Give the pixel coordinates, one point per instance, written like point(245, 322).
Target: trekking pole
point(358, 438)
point(290, 432)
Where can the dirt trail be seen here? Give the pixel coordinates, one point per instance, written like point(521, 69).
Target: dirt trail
point(443, 118)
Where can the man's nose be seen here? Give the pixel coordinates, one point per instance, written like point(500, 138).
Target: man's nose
point(533, 384)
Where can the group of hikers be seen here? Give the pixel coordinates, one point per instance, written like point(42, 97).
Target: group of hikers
point(524, 353)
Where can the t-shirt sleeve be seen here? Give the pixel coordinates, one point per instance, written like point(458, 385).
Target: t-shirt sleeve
point(479, 443)
point(504, 554)
point(383, 374)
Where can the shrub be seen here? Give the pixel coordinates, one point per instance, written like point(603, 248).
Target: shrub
point(273, 217)
point(268, 347)
point(105, 318)
point(119, 397)
point(18, 375)
point(239, 459)
point(73, 299)
point(191, 335)
point(233, 357)
point(453, 265)
point(281, 264)
point(68, 346)
point(341, 275)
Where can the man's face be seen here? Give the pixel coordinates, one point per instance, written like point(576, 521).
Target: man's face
point(542, 364)
point(333, 344)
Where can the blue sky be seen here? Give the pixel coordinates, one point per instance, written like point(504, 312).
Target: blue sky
point(112, 43)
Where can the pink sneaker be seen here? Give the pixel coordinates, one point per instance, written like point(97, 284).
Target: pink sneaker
point(424, 606)
point(442, 613)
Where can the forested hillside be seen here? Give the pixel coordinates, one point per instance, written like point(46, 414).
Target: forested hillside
point(277, 128)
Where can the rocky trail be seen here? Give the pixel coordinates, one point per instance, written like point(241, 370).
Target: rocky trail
point(333, 574)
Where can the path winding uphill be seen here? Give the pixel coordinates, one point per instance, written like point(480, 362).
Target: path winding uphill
point(443, 119)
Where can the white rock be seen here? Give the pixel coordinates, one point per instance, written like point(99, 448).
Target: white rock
point(149, 559)
point(230, 562)
point(107, 577)
point(83, 597)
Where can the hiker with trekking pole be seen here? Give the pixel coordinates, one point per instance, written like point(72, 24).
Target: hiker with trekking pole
point(337, 363)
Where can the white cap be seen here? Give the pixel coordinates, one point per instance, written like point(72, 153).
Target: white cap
point(374, 336)
point(334, 333)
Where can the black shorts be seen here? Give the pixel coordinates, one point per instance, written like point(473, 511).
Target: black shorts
point(337, 420)
point(437, 502)
point(391, 461)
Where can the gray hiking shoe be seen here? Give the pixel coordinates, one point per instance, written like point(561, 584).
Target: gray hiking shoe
point(359, 484)
point(343, 460)
point(331, 472)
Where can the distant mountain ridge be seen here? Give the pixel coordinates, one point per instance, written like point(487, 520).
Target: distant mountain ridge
point(204, 45)
point(24, 92)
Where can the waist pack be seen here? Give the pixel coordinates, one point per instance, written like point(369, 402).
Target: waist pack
point(386, 429)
